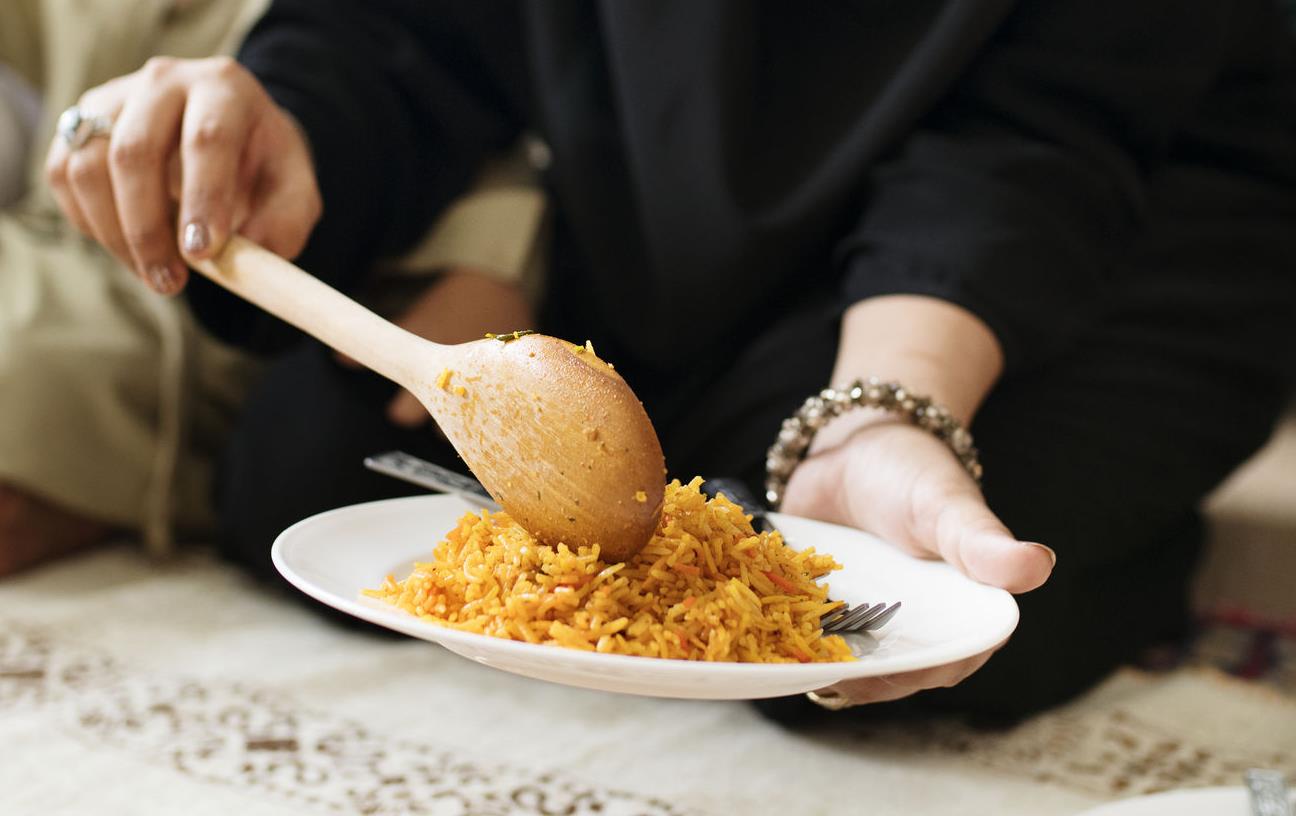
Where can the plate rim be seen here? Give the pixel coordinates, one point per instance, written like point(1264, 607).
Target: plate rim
point(405, 623)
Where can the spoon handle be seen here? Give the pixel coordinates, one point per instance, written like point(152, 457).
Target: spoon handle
point(285, 291)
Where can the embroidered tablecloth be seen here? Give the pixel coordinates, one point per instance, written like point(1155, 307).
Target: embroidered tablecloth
point(132, 688)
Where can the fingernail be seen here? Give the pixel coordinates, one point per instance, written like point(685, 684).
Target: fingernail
point(161, 278)
point(196, 237)
point(1052, 555)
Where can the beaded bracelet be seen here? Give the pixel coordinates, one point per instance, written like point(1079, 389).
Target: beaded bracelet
point(799, 429)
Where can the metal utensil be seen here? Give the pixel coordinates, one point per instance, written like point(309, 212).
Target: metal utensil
point(862, 618)
point(434, 477)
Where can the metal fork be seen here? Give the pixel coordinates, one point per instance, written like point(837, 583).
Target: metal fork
point(842, 620)
point(423, 473)
point(862, 618)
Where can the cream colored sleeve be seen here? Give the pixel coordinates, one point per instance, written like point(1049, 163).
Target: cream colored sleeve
point(497, 228)
point(21, 36)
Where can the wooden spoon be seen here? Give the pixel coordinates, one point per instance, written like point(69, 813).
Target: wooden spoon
point(553, 433)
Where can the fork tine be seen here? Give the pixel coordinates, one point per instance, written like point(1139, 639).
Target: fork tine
point(886, 615)
point(853, 618)
point(863, 621)
point(863, 618)
point(832, 618)
point(833, 615)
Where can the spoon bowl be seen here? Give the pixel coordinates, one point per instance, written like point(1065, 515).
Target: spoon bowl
point(553, 433)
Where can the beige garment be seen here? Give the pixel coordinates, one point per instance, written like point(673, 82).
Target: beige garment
point(498, 229)
point(113, 402)
point(99, 382)
point(19, 110)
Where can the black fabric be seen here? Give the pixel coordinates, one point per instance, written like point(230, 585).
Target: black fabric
point(712, 157)
point(298, 450)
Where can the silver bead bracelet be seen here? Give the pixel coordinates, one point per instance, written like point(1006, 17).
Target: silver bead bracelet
point(799, 429)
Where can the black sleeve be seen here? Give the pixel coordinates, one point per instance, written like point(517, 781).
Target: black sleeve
point(401, 101)
point(1013, 197)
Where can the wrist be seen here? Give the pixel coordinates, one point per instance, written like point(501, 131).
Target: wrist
point(931, 346)
point(799, 434)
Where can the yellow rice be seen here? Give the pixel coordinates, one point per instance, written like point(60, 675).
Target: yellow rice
point(706, 587)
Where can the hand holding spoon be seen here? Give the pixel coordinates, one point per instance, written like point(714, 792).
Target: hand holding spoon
point(552, 432)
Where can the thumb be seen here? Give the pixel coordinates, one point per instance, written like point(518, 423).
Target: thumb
point(965, 533)
point(286, 205)
point(903, 486)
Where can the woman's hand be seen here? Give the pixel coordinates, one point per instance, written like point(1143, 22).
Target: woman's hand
point(905, 486)
point(874, 472)
point(197, 151)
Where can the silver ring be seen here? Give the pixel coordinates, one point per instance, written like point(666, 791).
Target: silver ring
point(75, 128)
point(830, 701)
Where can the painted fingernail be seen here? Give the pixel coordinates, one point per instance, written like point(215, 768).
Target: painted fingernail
point(161, 278)
point(196, 237)
point(1052, 555)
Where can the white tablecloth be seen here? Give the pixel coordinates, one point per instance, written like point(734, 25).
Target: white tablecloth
point(132, 688)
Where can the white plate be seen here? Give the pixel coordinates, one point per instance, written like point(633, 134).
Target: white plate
point(1199, 802)
point(945, 617)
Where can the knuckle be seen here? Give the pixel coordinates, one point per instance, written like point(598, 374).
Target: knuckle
point(56, 171)
point(133, 153)
point(85, 173)
point(159, 67)
point(226, 68)
point(211, 132)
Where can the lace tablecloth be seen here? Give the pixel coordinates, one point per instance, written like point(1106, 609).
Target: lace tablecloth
point(132, 688)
